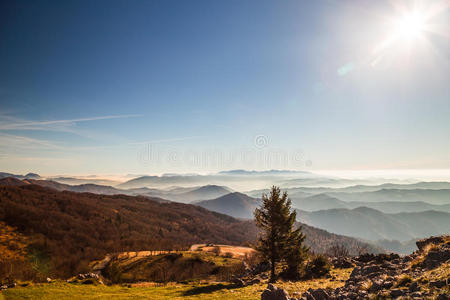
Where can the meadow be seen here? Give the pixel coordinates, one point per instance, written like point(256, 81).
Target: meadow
point(190, 291)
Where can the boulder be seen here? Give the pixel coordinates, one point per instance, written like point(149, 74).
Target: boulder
point(436, 240)
point(443, 297)
point(308, 296)
point(376, 286)
point(397, 293)
point(414, 287)
point(439, 284)
point(342, 262)
point(435, 258)
point(370, 269)
point(274, 293)
point(319, 294)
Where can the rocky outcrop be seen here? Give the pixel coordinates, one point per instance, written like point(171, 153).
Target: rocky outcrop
point(274, 293)
point(434, 240)
point(342, 262)
point(87, 278)
point(389, 276)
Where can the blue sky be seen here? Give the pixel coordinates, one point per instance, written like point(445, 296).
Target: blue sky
point(117, 87)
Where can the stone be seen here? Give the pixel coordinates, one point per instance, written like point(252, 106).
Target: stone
point(370, 269)
point(397, 293)
point(352, 295)
point(308, 296)
point(238, 282)
point(443, 297)
point(274, 293)
point(377, 285)
point(436, 257)
point(12, 285)
point(414, 287)
point(439, 284)
point(431, 240)
point(319, 294)
point(388, 284)
point(342, 263)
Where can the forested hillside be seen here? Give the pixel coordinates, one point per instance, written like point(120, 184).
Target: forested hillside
point(68, 230)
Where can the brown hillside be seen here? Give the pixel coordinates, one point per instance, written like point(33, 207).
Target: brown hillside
point(75, 228)
point(68, 229)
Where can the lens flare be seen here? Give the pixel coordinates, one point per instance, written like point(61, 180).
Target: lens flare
point(411, 25)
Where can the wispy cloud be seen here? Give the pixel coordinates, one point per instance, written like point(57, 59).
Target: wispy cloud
point(11, 123)
point(13, 141)
point(23, 142)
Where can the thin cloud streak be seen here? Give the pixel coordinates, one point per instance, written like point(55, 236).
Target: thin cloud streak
point(39, 125)
point(17, 141)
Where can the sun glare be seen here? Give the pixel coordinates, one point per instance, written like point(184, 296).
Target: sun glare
point(411, 25)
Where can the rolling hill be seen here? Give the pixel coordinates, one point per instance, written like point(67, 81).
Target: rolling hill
point(235, 204)
point(27, 176)
point(371, 224)
point(201, 193)
point(437, 197)
point(68, 230)
point(175, 194)
point(324, 201)
point(75, 228)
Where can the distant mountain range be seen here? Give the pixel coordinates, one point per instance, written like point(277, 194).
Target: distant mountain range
point(235, 204)
point(324, 201)
point(27, 176)
point(305, 190)
point(75, 228)
point(175, 194)
point(236, 179)
point(361, 222)
point(432, 196)
point(392, 215)
point(371, 224)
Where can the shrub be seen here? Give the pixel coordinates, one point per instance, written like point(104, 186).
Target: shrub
point(317, 267)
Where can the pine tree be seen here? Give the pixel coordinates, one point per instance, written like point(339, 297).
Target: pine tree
point(278, 241)
point(296, 253)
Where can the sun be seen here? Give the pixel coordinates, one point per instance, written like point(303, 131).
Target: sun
point(407, 32)
point(410, 25)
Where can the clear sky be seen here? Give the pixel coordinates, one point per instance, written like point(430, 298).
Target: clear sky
point(147, 87)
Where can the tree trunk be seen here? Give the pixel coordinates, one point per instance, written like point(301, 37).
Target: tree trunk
point(272, 271)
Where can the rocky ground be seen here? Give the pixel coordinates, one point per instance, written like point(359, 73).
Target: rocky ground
point(425, 274)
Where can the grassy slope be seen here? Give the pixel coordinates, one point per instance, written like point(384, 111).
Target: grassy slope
point(218, 291)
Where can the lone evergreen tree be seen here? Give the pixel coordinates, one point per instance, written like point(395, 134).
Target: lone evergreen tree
point(279, 241)
point(296, 253)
